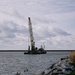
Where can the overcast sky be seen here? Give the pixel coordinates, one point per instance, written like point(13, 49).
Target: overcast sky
point(53, 23)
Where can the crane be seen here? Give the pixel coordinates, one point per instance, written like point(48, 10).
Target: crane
point(34, 50)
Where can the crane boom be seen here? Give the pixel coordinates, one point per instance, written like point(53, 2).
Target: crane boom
point(31, 34)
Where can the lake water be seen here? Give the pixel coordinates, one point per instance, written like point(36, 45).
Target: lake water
point(13, 62)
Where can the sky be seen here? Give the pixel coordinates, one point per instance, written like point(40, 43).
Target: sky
point(53, 23)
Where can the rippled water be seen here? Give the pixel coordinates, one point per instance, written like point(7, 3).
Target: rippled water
point(13, 62)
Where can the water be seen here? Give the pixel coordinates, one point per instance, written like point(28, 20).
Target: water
point(13, 62)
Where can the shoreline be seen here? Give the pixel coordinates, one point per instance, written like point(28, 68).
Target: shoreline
point(27, 50)
point(63, 67)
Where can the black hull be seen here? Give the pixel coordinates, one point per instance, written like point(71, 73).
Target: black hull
point(35, 52)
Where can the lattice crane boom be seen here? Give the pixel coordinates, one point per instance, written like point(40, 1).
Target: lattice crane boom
point(31, 34)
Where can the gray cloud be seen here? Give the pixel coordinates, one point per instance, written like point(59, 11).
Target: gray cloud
point(45, 20)
point(10, 29)
point(61, 32)
point(47, 33)
point(17, 14)
point(44, 14)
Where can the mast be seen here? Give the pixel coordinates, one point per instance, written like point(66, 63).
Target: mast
point(31, 35)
